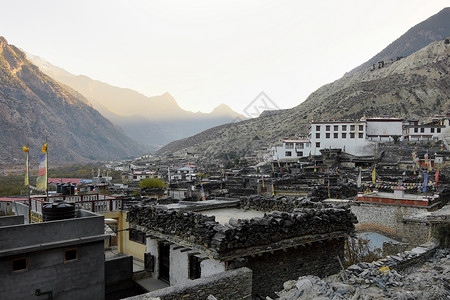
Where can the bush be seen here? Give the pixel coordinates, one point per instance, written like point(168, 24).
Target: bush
point(152, 183)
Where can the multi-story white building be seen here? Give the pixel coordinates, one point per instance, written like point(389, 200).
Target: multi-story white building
point(292, 150)
point(436, 128)
point(356, 137)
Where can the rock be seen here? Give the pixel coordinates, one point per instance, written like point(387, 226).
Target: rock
point(304, 284)
point(289, 285)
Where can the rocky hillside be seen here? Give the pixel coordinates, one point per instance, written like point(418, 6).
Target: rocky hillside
point(435, 28)
point(34, 107)
point(152, 121)
point(414, 87)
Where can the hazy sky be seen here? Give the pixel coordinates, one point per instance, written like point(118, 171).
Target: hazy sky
point(209, 52)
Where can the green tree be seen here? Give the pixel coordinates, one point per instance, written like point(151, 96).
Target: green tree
point(152, 183)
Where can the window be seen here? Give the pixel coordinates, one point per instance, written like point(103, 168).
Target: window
point(327, 135)
point(317, 144)
point(352, 127)
point(416, 129)
point(432, 130)
point(289, 146)
point(360, 135)
point(300, 153)
point(352, 135)
point(288, 153)
point(422, 130)
point(344, 135)
point(70, 255)
point(19, 264)
point(300, 146)
point(361, 127)
point(438, 130)
point(137, 236)
point(336, 127)
point(344, 127)
point(335, 135)
point(317, 127)
point(328, 128)
point(195, 270)
point(317, 135)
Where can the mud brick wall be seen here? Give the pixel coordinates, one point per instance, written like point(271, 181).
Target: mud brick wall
point(270, 271)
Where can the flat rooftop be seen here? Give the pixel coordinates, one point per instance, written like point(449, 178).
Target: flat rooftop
point(223, 215)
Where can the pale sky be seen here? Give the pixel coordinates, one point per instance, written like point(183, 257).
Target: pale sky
point(209, 52)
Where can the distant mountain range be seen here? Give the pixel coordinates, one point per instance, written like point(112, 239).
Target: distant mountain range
point(414, 87)
point(435, 28)
point(152, 121)
point(35, 108)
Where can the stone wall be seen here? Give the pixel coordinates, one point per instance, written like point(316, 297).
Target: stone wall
point(270, 271)
point(273, 227)
point(235, 284)
point(388, 220)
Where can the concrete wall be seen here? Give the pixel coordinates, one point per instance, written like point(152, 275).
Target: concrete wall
point(235, 284)
point(80, 279)
point(388, 219)
point(53, 231)
point(6, 208)
point(179, 266)
point(271, 270)
point(11, 220)
point(211, 266)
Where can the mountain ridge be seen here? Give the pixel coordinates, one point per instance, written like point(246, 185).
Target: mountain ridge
point(34, 108)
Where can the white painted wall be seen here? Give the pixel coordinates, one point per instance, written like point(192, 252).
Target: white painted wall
point(152, 248)
point(211, 266)
point(179, 266)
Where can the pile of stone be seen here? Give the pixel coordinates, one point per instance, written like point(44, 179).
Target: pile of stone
point(418, 275)
point(273, 227)
point(284, 204)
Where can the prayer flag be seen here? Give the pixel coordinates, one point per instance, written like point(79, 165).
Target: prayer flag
point(436, 177)
point(374, 174)
point(358, 182)
point(27, 181)
point(41, 181)
point(425, 182)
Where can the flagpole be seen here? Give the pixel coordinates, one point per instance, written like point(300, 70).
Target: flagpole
point(46, 168)
point(28, 188)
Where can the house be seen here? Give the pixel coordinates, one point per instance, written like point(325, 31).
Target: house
point(60, 259)
point(291, 150)
point(191, 240)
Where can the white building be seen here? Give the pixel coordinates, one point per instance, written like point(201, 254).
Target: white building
point(356, 137)
point(291, 150)
point(437, 128)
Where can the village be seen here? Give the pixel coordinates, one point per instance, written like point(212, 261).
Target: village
point(271, 225)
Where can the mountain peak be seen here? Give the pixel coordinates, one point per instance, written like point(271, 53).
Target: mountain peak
point(3, 42)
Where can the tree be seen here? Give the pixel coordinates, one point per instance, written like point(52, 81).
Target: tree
point(152, 183)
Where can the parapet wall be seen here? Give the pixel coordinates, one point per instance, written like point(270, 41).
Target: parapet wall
point(272, 228)
point(235, 284)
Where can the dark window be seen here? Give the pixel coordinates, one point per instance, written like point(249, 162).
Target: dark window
point(300, 146)
point(344, 127)
point(317, 144)
point(317, 135)
point(422, 130)
point(335, 135)
point(300, 153)
point(416, 129)
point(432, 130)
point(195, 270)
point(327, 135)
point(352, 127)
point(361, 127)
point(336, 128)
point(137, 236)
point(360, 135)
point(288, 153)
point(20, 264)
point(70, 254)
point(328, 128)
point(289, 146)
point(344, 135)
point(352, 135)
point(438, 130)
point(317, 127)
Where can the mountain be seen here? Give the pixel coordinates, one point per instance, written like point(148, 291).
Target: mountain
point(435, 28)
point(152, 121)
point(35, 108)
point(413, 87)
